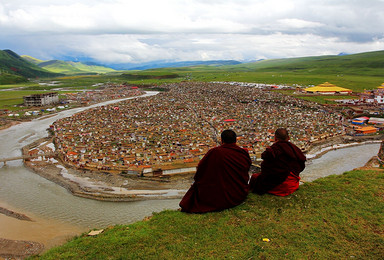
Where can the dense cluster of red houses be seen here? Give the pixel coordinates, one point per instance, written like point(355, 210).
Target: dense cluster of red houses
point(178, 126)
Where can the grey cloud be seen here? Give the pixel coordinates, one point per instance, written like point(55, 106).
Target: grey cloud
point(189, 30)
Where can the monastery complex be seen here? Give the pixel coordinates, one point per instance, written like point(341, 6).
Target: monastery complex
point(175, 128)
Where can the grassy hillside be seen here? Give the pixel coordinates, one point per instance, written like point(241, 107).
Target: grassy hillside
point(354, 82)
point(337, 217)
point(9, 78)
point(73, 68)
point(12, 63)
point(31, 59)
point(369, 64)
point(68, 67)
point(357, 72)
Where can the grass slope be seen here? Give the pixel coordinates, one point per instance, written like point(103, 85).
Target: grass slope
point(9, 78)
point(73, 68)
point(368, 63)
point(337, 217)
point(12, 63)
point(32, 59)
point(357, 71)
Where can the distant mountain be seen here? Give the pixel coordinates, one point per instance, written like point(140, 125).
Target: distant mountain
point(168, 64)
point(13, 64)
point(69, 67)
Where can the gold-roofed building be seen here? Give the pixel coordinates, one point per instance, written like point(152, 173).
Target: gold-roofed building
point(328, 89)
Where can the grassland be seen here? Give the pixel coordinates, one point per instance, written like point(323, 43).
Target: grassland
point(357, 72)
point(13, 100)
point(73, 68)
point(159, 77)
point(337, 217)
point(12, 65)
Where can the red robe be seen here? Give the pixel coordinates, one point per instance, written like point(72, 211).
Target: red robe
point(280, 169)
point(221, 180)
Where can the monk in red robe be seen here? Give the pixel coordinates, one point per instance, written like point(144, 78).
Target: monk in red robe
point(221, 179)
point(280, 169)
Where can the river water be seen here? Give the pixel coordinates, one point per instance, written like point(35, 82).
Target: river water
point(58, 215)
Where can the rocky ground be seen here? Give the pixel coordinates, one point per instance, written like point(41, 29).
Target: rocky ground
point(19, 249)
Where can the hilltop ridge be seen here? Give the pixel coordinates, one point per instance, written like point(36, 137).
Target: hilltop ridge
point(69, 67)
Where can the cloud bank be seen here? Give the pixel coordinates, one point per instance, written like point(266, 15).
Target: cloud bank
point(118, 31)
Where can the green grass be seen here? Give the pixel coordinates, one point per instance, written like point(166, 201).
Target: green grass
point(12, 63)
point(357, 72)
point(8, 78)
point(157, 78)
point(337, 217)
point(19, 86)
point(73, 68)
point(321, 99)
point(354, 82)
point(10, 99)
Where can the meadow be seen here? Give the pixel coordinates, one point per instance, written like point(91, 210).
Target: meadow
point(337, 217)
point(357, 72)
point(167, 76)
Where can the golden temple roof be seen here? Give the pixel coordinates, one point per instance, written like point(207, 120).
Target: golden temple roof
point(327, 87)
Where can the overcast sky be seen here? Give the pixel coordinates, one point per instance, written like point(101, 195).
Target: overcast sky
point(125, 31)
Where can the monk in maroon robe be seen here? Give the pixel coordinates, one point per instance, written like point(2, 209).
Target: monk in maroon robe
point(221, 179)
point(280, 169)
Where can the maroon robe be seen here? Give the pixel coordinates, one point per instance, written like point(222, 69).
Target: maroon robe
point(221, 180)
point(279, 161)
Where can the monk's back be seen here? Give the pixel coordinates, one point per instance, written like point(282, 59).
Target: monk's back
point(221, 180)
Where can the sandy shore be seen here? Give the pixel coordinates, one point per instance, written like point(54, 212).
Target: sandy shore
point(22, 236)
point(18, 249)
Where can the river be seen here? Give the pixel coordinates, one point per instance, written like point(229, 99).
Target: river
point(59, 215)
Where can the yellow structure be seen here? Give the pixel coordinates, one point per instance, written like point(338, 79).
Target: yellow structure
point(381, 87)
point(366, 130)
point(328, 89)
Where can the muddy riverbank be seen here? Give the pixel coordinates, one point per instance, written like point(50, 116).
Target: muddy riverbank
point(105, 186)
point(14, 214)
point(116, 187)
